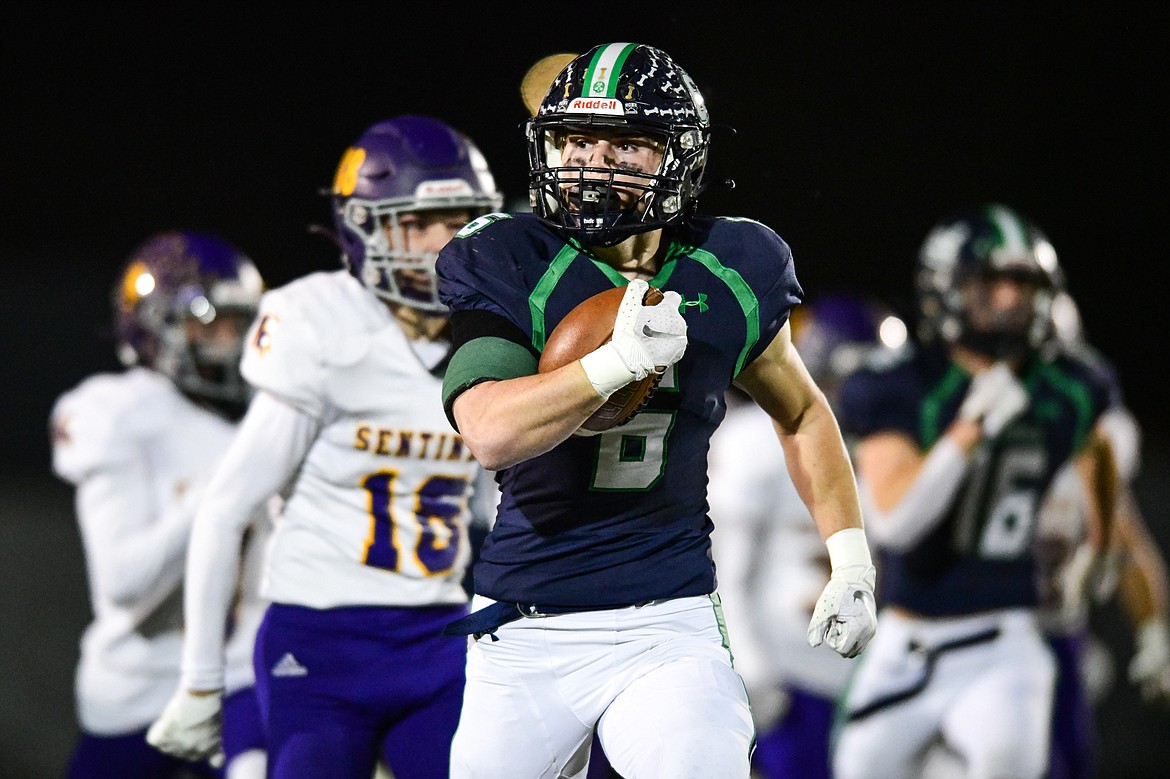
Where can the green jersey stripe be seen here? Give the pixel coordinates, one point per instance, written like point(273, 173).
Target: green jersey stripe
point(543, 290)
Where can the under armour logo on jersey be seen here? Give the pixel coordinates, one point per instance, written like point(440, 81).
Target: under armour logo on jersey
point(288, 666)
point(701, 302)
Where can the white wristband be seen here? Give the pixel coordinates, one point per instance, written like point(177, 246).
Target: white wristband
point(848, 547)
point(605, 370)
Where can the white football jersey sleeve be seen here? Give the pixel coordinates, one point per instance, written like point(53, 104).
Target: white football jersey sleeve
point(377, 511)
point(139, 454)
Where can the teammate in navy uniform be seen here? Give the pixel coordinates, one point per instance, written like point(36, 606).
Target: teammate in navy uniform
point(596, 602)
point(957, 449)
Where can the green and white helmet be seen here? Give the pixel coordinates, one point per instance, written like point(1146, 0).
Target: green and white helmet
point(626, 86)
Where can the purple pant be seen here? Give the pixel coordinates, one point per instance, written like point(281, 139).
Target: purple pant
point(242, 728)
point(798, 745)
point(1072, 715)
point(128, 757)
point(339, 687)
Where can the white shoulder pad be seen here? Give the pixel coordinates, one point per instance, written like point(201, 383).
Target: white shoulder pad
point(304, 330)
point(283, 352)
point(1125, 437)
point(104, 420)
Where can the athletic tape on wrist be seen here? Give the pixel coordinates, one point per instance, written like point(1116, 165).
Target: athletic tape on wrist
point(606, 370)
point(848, 547)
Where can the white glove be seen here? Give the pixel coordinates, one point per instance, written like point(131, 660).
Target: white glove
point(646, 339)
point(994, 398)
point(190, 727)
point(845, 616)
point(1150, 666)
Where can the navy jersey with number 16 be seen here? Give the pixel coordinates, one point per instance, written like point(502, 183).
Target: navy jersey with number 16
point(620, 517)
point(981, 555)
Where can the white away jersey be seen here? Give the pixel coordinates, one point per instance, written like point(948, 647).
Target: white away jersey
point(139, 454)
point(377, 513)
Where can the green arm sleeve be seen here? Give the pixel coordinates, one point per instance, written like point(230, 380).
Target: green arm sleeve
point(488, 358)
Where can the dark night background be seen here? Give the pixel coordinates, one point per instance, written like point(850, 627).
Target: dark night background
point(858, 126)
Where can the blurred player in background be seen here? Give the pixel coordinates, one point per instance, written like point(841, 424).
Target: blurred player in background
point(140, 447)
point(367, 560)
point(769, 559)
point(957, 447)
point(1075, 582)
point(596, 585)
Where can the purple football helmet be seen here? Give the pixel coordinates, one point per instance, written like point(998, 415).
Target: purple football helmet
point(176, 288)
point(618, 86)
point(400, 165)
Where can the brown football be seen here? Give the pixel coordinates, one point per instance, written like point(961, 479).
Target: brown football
point(585, 328)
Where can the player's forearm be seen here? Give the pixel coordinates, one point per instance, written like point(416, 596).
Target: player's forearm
point(1144, 586)
point(213, 565)
point(1099, 471)
point(822, 473)
point(507, 422)
point(927, 496)
point(266, 451)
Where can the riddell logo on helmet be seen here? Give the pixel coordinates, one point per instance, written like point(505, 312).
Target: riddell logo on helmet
point(596, 105)
point(443, 188)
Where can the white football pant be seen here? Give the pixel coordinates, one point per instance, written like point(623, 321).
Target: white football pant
point(990, 702)
point(656, 680)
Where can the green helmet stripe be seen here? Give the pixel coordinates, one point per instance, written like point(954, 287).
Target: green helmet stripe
point(601, 77)
point(1013, 236)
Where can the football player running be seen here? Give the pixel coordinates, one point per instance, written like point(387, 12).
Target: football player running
point(957, 447)
point(595, 600)
point(1074, 582)
point(770, 561)
point(367, 559)
point(140, 447)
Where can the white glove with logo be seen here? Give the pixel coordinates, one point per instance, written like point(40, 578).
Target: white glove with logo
point(845, 616)
point(190, 727)
point(994, 398)
point(1150, 666)
point(646, 339)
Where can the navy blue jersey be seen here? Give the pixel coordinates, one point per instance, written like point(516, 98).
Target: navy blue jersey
point(1096, 362)
point(621, 517)
point(981, 555)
